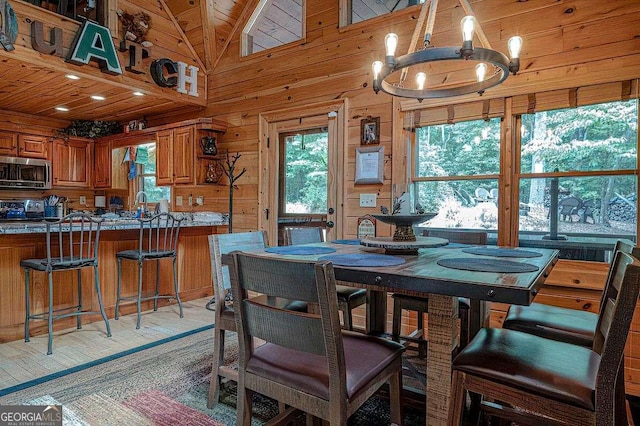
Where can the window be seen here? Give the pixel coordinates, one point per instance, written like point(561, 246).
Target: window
point(585, 157)
point(146, 175)
point(273, 23)
point(361, 10)
point(76, 9)
point(456, 173)
point(303, 173)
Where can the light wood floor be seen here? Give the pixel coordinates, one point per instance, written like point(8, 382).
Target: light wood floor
point(21, 362)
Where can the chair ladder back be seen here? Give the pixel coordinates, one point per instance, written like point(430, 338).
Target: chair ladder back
point(159, 233)
point(306, 235)
point(77, 236)
point(462, 237)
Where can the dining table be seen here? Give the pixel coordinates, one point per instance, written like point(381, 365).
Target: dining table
point(443, 274)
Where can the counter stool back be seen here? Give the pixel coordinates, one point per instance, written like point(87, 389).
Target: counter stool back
point(158, 239)
point(349, 298)
point(71, 244)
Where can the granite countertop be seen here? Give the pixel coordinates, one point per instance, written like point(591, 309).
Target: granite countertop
point(191, 220)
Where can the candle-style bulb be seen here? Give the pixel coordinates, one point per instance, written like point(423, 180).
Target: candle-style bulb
point(481, 71)
point(420, 79)
point(377, 68)
point(390, 44)
point(515, 45)
point(467, 24)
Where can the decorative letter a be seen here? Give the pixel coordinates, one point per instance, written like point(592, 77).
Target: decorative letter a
point(94, 41)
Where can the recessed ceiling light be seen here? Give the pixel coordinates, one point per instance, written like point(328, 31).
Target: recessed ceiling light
point(98, 98)
point(62, 108)
point(72, 77)
point(138, 94)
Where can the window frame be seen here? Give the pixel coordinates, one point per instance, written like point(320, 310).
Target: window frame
point(246, 41)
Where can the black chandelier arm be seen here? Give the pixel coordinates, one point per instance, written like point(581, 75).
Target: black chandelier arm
point(434, 54)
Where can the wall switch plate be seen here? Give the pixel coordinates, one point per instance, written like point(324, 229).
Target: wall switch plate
point(83, 200)
point(200, 200)
point(368, 200)
point(178, 200)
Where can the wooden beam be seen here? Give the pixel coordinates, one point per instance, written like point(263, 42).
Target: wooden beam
point(182, 35)
point(207, 11)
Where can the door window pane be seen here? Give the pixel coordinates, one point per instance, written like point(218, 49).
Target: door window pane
point(305, 172)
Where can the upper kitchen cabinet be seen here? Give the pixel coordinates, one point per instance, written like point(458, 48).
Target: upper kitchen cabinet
point(174, 156)
point(33, 146)
point(72, 162)
point(102, 165)
point(16, 145)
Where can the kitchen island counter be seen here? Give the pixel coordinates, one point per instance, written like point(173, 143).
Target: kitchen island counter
point(27, 241)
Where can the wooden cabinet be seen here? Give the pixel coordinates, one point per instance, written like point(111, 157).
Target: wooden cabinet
point(164, 157)
point(33, 146)
point(12, 144)
point(102, 165)
point(8, 144)
point(71, 163)
point(183, 155)
point(174, 156)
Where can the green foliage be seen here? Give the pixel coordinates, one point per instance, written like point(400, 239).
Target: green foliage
point(90, 129)
point(306, 173)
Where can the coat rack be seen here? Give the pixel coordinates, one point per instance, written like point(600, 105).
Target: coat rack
point(229, 168)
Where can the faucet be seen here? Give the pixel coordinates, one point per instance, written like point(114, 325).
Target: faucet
point(143, 195)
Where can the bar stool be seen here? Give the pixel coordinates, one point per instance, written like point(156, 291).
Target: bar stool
point(74, 246)
point(158, 240)
point(349, 298)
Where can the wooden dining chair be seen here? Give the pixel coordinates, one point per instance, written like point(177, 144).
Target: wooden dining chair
point(544, 381)
point(568, 325)
point(307, 363)
point(221, 245)
point(349, 298)
point(421, 304)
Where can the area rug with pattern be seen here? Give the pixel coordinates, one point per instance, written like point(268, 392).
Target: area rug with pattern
point(165, 385)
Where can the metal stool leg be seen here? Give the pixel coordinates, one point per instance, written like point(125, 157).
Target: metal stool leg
point(79, 317)
point(175, 286)
point(155, 299)
point(50, 318)
point(100, 304)
point(27, 299)
point(139, 293)
point(117, 316)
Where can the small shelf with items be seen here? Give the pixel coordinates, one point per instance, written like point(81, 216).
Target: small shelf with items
point(209, 169)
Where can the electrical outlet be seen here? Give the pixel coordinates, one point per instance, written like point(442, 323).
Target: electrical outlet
point(368, 200)
point(83, 200)
point(178, 200)
point(200, 200)
point(190, 200)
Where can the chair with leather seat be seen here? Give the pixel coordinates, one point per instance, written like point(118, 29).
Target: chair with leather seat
point(349, 298)
point(543, 381)
point(307, 363)
point(158, 239)
point(563, 324)
point(421, 304)
point(71, 244)
point(220, 245)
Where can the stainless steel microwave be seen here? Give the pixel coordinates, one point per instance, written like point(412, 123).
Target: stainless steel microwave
point(25, 173)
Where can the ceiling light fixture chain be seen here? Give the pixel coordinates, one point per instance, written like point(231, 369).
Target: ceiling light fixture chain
point(503, 66)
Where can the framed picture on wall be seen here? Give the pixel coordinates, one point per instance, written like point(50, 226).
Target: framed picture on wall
point(370, 131)
point(369, 165)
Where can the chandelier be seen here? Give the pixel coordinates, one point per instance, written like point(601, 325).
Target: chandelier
point(492, 67)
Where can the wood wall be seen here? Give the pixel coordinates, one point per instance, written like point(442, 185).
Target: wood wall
point(566, 44)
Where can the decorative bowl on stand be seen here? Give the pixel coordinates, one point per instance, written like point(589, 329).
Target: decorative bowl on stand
point(404, 224)
point(404, 240)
